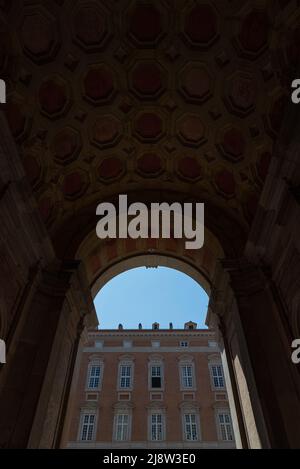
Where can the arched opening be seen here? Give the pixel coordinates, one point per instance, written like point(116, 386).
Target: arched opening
point(142, 295)
point(105, 262)
point(206, 129)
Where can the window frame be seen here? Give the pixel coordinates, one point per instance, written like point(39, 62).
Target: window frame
point(156, 362)
point(191, 408)
point(219, 412)
point(191, 412)
point(190, 364)
point(157, 411)
point(125, 363)
point(118, 413)
point(94, 363)
point(83, 413)
point(184, 342)
point(212, 364)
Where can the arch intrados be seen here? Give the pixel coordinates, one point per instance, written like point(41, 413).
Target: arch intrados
point(151, 261)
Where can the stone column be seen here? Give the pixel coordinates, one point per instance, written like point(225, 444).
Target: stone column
point(276, 380)
point(34, 384)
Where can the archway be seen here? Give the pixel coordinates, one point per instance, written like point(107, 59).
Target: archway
point(206, 128)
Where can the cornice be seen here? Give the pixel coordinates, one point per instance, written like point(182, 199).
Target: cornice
point(151, 333)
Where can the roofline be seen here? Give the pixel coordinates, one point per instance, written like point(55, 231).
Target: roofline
point(154, 332)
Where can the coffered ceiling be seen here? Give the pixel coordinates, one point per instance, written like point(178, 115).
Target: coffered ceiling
point(109, 97)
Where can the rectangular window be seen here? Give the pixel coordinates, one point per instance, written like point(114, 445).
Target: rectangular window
point(125, 376)
point(155, 344)
point(217, 376)
point(184, 344)
point(122, 426)
point(225, 426)
point(156, 377)
point(127, 343)
point(156, 427)
point(187, 376)
point(190, 427)
point(87, 428)
point(94, 377)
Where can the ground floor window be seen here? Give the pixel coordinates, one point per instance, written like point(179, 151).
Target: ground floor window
point(225, 426)
point(122, 427)
point(157, 426)
point(87, 426)
point(190, 427)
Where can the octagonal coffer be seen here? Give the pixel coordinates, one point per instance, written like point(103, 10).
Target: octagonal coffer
point(195, 83)
point(91, 27)
point(146, 24)
point(54, 96)
point(200, 26)
point(105, 131)
point(39, 34)
point(147, 79)
point(99, 84)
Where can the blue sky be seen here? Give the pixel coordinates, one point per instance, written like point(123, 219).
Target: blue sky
point(148, 295)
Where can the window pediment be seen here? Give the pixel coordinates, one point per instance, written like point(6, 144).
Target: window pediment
point(123, 406)
point(185, 358)
point(185, 406)
point(126, 358)
point(155, 358)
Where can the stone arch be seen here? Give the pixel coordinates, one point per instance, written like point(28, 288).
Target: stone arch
point(105, 259)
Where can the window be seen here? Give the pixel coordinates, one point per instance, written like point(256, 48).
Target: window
point(94, 375)
point(190, 427)
point(212, 343)
point(87, 426)
point(217, 376)
point(225, 426)
point(155, 344)
point(157, 427)
point(156, 376)
point(125, 376)
point(184, 343)
point(187, 372)
point(122, 427)
point(127, 343)
point(125, 373)
point(187, 376)
point(155, 372)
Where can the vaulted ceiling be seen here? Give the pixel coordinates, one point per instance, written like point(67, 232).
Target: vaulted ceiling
point(109, 97)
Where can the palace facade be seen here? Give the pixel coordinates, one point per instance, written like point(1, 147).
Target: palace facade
point(149, 389)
